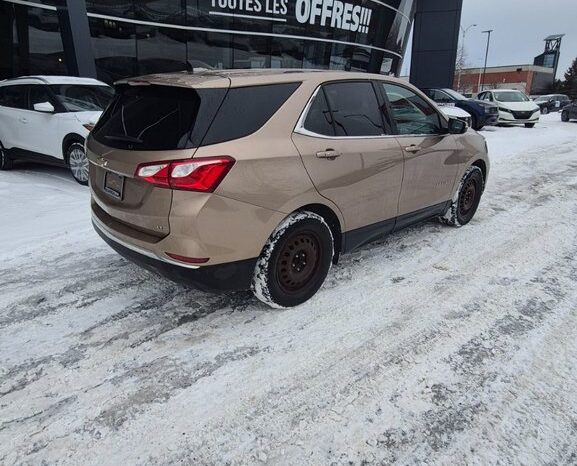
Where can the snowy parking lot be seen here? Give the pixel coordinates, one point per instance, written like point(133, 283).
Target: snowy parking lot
point(433, 346)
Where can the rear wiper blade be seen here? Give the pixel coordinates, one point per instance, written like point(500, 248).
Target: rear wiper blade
point(121, 137)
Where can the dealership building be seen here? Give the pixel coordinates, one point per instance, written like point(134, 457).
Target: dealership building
point(113, 39)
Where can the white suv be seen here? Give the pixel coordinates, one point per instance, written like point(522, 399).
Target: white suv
point(47, 118)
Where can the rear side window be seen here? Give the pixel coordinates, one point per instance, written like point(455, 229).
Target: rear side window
point(157, 117)
point(246, 109)
point(14, 96)
point(319, 116)
point(355, 109)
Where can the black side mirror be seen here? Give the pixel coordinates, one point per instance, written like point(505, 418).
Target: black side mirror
point(457, 126)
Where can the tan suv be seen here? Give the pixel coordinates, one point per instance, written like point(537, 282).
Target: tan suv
point(260, 178)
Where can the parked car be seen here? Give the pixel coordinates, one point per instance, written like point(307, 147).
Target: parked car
point(47, 118)
point(514, 107)
point(458, 113)
point(260, 179)
point(482, 113)
point(551, 102)
point(569, 111)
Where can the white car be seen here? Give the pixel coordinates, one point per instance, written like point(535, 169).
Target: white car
point(456, 112)
point(47, 118)
point(515, 108)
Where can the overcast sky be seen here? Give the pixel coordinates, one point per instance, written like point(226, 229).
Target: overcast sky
point(519, 27)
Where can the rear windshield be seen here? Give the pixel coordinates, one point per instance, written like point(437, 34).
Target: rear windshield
point(153, 117)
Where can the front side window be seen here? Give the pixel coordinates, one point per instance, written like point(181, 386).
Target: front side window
point(83, 98)
point(412, 114)
point(38, 95)
point(355, 109)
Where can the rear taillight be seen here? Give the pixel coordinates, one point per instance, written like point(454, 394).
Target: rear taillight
point(202, 174)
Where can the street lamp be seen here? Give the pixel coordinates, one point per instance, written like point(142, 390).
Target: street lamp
point(486, 55)
point(462, 52)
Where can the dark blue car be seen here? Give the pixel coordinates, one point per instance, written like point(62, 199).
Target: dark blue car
point(482, 113)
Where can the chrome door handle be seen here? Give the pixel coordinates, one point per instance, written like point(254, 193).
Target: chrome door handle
point(413, 148)
point(330, 154)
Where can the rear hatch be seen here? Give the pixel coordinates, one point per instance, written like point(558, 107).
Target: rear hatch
point(151, 119)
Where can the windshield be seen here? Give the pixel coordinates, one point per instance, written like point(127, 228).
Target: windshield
point(83, 98)
point(455, 94)
point(510, 96)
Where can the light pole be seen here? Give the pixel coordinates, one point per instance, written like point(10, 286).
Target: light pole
point(462, 52)
point(486, 55)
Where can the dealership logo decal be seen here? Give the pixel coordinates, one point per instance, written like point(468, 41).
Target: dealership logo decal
point(335, 14)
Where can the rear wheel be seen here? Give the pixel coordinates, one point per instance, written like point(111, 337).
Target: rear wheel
point(529, 125)
point(78, 162)
point(295, 261)
point(5, 161)
point(564, 116)
point(466, 199)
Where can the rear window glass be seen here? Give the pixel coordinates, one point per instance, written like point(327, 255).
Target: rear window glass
point(247, 109)
point(169, 118)
point(152, 118)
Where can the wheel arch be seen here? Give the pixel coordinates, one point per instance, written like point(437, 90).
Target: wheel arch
point(333, 222)
point(67, 141)
point(483, 166)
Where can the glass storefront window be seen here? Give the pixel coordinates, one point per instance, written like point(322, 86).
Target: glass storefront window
point(209, 50)
point(160, 50)
point(114, 48)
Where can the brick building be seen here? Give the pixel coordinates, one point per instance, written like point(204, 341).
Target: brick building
point(531, 79)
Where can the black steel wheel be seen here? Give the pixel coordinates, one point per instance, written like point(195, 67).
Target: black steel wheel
point(295, 261)
point(467, 198)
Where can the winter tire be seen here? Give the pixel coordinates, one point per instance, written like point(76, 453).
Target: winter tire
point(545, 110)
point(475, 123)
point(564, 116)
point(5, 161)
point(529, 125)
point(295, 261)
point(466, 198)
point(77, 162)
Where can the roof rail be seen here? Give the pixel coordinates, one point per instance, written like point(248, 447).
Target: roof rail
point(39, 78)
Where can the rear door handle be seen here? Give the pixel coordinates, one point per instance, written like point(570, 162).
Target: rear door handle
point(413, 148)
point(330, 154)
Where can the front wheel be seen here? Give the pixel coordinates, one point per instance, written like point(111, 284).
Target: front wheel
point(5, 161)
point(475, 123)
point(564, 116)
point(78, 162)
point(466, 199)
point(545, 110)
point(529, 125)
point(295, 261)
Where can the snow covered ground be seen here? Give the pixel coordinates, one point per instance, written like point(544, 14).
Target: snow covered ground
point(435, 345)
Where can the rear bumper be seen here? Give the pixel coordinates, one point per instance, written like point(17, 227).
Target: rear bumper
point(222, 277)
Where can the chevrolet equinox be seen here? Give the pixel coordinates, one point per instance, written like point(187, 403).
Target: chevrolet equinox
point(260, 179)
